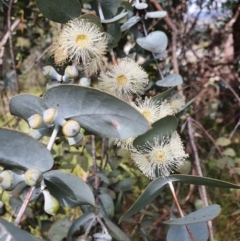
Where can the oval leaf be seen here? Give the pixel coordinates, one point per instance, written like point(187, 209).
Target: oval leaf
point(98, 112)
point(10, 232)
point(115, 231)
point(154, 188)
point(130, 22)
point(109, 7)
point(170, 80)
point(156, 14)
point(107, 205)
point(164, 95)
point(199, 231)
point(202, 215)
point(155, 42)
point(70, 190)
point(223, 141)
point(22, 151)
point(82, 221)
point(59, 11)
point(26, 105)
point(163, 127)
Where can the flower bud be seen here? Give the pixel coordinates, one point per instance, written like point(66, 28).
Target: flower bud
point(85, 82)
point(51, 204)
point(70, 73)
point(49, 71)
point(75, 140)
point(9, 179)
point(51, 116)
point(71, 128)
point(33, 177)
point(35, 121)
point(156, 14)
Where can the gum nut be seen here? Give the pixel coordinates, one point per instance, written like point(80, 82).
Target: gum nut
point(49, 71)
point(85, 82)
point(35, 121)
point(33, 177)
point(51, 204)
point(6, 179)
point(71, 71)
point(71, 128)
point(49, 115)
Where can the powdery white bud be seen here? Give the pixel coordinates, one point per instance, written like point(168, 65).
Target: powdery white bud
point(51, 116)
point(35, 121)
point(49, 71)
point(71, 72)
point(71, 128)
point(9, 179)
point(33, 177)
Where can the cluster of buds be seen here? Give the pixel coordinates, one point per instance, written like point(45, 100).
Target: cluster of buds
point(51, 117)
point(70, 73)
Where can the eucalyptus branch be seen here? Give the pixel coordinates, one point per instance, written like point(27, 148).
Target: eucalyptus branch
point(31, 189)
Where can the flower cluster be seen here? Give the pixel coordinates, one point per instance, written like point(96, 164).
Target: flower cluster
point(82, 42)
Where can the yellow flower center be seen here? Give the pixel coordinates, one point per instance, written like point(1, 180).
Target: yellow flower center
point(159, 156)
point(147, 115)
point(121, 80)
point(82, 40)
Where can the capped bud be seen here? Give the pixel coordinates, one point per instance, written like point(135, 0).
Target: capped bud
point(9, 179)
point(51, 204)
point(75, 140)
point(51, 116)
point(71, 128)
point(71, 72)
point(33, 177)
point(49, 71)
point(35, 121)
point(85, 82)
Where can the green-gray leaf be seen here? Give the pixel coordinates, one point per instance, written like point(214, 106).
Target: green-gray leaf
point(202, 215)
point(22, 151)
point(115, 231)
point(155, 42)
point(70, 190)
point(98, 112)
point(10, 232)
point(109, 7)
point(154, 189)
point(163, 95)
point(161, 128)
point(60, 11)
point(199, 231)
point(80, 222)
point(170, 80)
point(107, 205)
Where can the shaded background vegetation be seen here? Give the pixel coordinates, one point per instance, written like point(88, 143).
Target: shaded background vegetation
point(204, 47)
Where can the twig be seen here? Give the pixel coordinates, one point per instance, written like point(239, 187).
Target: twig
point(202, 189)
point(234, 130)
point(11, 46)
point(36, 61)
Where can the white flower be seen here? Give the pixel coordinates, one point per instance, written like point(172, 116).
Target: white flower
point(149, 109)
point(125, 143)
point(160, 158)
point(124, 78)
point(79, 40)
point(177, 102)
point(165, 109)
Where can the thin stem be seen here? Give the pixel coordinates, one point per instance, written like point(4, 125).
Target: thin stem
point(154, 56)
point(31, 189)
point(100, 11)
point(175, 199)
point(11, 46)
